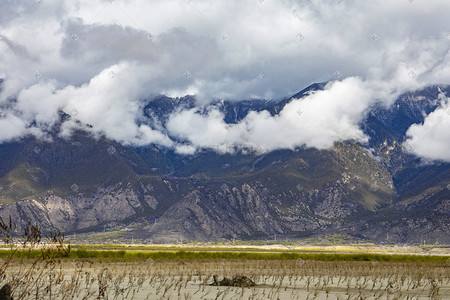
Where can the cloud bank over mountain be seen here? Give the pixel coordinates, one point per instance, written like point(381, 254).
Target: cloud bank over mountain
point(317, 120)
point(99, 60)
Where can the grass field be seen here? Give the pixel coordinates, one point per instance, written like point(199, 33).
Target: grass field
point(124, 252)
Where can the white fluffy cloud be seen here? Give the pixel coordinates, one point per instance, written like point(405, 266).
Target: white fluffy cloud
point(432, 138)
point(11, 127)
point(317, 120)
point(107, 105)
point(58, 56)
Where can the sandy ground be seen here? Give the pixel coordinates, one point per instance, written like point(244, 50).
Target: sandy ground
point(190, 280)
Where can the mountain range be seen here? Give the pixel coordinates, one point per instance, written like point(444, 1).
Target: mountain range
point(100, 189)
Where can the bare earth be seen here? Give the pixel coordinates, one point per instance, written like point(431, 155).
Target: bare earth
point(275, 279)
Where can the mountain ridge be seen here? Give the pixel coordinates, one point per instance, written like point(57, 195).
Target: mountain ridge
point(93, 186)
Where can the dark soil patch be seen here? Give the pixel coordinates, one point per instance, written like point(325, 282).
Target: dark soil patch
point(237, 281)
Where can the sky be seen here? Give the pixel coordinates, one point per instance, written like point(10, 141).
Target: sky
point(100, 60)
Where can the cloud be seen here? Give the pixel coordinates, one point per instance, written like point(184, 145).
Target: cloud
point(230, 49)
point(108, 106)
point(317, 120)
point(11, 127)
point(56, 56)
point(431, 139)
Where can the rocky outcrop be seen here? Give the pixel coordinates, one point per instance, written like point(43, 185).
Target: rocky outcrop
point(80, 211)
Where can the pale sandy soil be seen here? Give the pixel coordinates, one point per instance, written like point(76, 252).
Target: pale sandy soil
point(376, 249)
point(190, 280)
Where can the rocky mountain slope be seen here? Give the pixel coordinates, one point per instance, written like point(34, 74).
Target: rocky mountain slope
point(371, 192)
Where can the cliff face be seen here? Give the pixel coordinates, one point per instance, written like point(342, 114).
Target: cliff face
point(85, 185)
